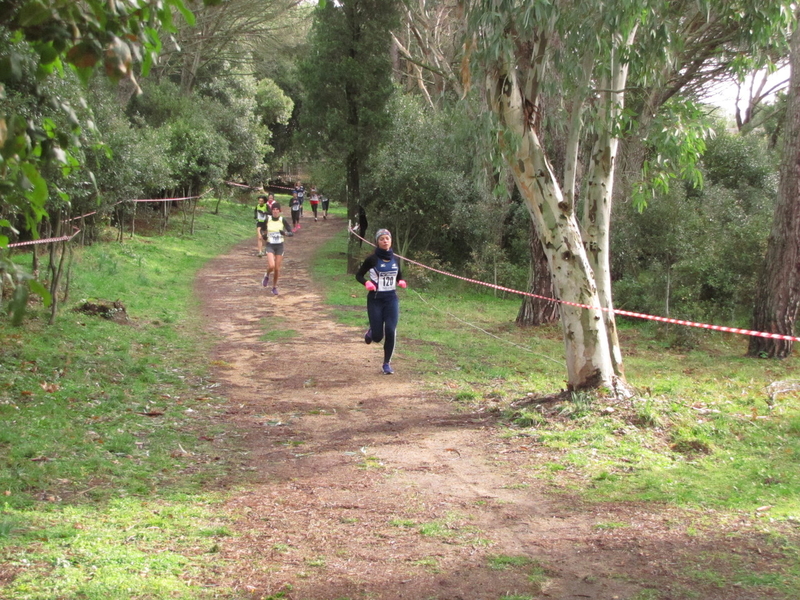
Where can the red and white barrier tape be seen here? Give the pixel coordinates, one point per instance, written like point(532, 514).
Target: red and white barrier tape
point(63, 238)
point(161, 199)
point(69, 237)
point(616, 311)
point(250, 187)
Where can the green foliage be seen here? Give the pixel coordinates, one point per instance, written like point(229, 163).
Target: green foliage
point(695, 253)
point(416, 178)
point(39, 37)
point(347, 83)
point(273, 105)
point(675, 143)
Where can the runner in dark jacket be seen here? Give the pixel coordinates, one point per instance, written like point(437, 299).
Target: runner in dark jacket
point(381, 275)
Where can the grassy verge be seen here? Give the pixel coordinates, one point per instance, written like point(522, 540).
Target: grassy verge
point(110, 447)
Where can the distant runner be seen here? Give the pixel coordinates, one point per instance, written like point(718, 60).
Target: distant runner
point(261, 214)
point(314, 202)
point(295, 205)
point(325, 203)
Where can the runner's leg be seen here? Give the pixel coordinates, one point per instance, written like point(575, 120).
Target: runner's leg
point(391, 315)
point(375, 314)
point(277, 270)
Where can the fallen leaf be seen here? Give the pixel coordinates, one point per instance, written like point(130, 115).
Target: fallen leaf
point(49, 387)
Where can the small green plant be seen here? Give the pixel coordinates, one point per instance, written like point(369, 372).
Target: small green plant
point(8, 526)
point(220, 531)
point(371, 462)
point(579, 405)
point(402, 523)
point(278, 335)
point(436, 529)
point(528, 418)
point(609, 525)
point(430, 564)
point(501, 562)
point(517, 486)
point(646, 414)
point(316, 562)
point(466, 396)
point(538, 577)
point(647, 594)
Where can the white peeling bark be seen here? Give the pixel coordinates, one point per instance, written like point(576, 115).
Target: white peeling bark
point(598, 196)
point(588, 356)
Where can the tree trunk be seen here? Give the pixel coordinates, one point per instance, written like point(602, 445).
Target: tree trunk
point(587, 350)
point(353, 204)
point(778, 292)
point(536, 311)
point(599, 193)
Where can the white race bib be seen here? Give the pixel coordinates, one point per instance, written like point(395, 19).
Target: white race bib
point(275, 237)
point(386, 281)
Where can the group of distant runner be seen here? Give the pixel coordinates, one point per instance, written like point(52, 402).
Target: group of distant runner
point(272, 227)
point(380, 273)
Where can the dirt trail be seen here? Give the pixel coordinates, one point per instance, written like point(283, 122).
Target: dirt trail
point(370, 486)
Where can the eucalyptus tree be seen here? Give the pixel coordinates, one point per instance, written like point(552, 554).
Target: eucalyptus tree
point(430, 40)
point(347, 81)
point(582, 53)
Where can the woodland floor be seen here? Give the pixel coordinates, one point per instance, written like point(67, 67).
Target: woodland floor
point(364, 486)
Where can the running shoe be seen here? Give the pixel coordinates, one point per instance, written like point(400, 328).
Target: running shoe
point(274, 291)
point(368, 337)
point(387, 369)
point(265, 281)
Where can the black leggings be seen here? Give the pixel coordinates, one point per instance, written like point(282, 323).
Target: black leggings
point(383, 315)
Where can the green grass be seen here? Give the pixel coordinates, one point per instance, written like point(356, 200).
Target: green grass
point(501, 562)
point(105, 446)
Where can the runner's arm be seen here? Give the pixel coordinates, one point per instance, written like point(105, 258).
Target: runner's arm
point(365, 267)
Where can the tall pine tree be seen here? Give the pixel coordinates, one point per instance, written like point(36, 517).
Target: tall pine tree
point(348, 81)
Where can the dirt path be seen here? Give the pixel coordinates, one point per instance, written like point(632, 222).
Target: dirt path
point(369, 486)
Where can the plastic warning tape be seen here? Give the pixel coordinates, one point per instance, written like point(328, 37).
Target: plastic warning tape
point(626, 313)
point(250, 187)
point(63, 238)
point(159, 199)
point(69, 237)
